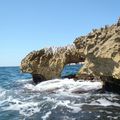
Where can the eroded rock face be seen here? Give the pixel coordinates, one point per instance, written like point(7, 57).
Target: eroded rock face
point(102, 53)
point(48, 63)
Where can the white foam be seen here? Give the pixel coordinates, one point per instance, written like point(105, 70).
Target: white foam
point(98, 116)
point(46, 115)
point(65, 85)
point(74, 108)
point(24, 108)
point(113, 118)
point(24, 80)
point(86, 86)
point(104, 102)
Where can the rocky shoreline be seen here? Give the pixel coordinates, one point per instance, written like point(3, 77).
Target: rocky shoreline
point(99, 50)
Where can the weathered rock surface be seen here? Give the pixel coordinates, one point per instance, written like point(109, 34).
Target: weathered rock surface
point(48, 63)
point(102, 53)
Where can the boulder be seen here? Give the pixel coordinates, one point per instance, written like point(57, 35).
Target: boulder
point(48, 63)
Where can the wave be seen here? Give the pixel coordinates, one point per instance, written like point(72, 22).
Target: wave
point(65, 85)
point(61, 95)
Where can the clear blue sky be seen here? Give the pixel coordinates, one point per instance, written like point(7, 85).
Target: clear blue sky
point(27, 25)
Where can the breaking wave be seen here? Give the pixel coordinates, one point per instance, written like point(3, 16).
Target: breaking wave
point(65, 85)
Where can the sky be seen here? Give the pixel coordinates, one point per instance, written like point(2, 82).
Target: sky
point(27, 25)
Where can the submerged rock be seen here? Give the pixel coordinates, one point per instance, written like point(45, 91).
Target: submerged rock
point(38, 78)
point(48, 63)
point(111, 84)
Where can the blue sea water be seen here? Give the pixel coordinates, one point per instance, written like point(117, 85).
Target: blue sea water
point(58, 99)
point(70, 70)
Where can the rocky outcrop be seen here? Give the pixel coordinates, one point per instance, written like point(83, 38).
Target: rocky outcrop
point(102, 53)
point(100, 49)
point(48, 63)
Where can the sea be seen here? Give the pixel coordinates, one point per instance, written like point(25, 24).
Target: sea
point(56, 99)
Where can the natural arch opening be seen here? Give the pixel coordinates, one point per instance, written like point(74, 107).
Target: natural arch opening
point(70, 70)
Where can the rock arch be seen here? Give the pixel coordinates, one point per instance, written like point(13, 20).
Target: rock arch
point(48, 63)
